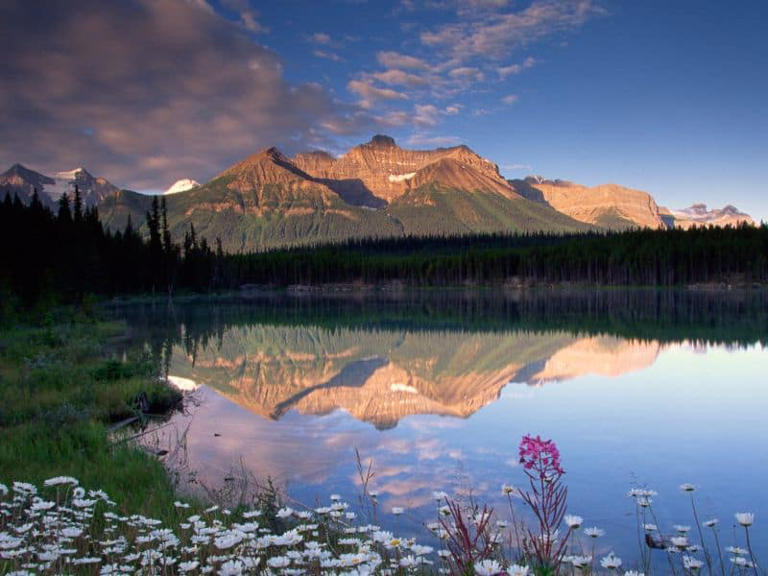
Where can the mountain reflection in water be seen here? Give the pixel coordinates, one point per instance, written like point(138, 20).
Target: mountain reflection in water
point(649, 388)
point(383, 376)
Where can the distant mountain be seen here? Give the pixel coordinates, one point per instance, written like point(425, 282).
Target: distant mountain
point(607, 206)
point(698, 215)
point(23, 182)
point(376, 190)
point(182, 186)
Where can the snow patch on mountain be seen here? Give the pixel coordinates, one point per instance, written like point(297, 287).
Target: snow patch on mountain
point(401, 177)
point(182, 186)
point(69, 175)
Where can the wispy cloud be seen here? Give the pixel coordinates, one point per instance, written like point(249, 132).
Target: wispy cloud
point(484, 43)
point(320, 38)
point(494, 33)
point(397, 60)
point(513, 69)
point(426, 115)
point(369, 93)
point(516, 167)
point(246, 16)
point(328, 55)
point(399, 78)
point(428, 141)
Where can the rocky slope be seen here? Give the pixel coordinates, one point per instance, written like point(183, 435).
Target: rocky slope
point(607, 206)
point(383, 171)
point(376, 190)
point(698, 215)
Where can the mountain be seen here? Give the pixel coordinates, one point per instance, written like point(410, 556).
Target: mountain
point(698, 215)
point(23, 181)
point(182, 186)
point(607, 206)
point(265, 201)
point(377, 189)
point(380, 171)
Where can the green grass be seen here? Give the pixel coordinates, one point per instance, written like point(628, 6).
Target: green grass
point(61, 388)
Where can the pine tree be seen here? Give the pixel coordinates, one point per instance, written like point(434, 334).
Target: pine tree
point(65, 212)
point(78, 205)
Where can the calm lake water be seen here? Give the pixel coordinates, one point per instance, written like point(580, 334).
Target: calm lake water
point(638, 389)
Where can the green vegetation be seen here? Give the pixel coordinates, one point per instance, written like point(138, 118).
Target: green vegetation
point(61, 390)
point(280, 215)
point(434, 210)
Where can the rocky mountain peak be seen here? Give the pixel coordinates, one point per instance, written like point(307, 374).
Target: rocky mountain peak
point(380, 171)
point(607, 205)
point(700, 215)
point(382, 141)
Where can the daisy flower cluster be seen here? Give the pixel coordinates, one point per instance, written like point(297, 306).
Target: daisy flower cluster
point(680, 542)
point(62, 528)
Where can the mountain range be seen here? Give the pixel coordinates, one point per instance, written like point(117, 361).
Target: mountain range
point(376, 189)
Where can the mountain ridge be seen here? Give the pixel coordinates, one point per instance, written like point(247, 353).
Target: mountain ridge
point(377, 189)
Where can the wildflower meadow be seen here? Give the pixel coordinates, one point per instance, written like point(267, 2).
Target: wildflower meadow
point(62, 527)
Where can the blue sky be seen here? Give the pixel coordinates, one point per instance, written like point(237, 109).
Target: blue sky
point(668, 97)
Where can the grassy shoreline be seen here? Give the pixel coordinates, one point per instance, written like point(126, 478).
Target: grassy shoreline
point(63, 387)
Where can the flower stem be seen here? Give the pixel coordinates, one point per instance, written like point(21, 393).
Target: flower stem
point(719, 552)
point(701, 536)
point(751, 554)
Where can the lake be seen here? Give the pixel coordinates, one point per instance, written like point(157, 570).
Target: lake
point(435, 390)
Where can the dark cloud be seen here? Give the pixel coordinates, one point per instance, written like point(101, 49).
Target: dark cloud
point(147, 91)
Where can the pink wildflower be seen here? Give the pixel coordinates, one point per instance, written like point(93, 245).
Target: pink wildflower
point(539, 455)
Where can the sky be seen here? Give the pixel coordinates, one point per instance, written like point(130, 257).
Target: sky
point(667, 97)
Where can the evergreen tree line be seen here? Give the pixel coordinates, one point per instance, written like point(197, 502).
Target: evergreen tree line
point(631, 258)
point(68, 254)
point(52, 257)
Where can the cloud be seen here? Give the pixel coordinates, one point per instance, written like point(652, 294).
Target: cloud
point(427, 141)
point(397, 60)
point(328, 55)
point(467, 74)
point(148, 91)
point(517, 167)
point(426, 115)
point(247, 17)
point(505, 71)
point(320, 38)
point(399, 78)
point(474, 44)
point(370, 93)
point(492, 34)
